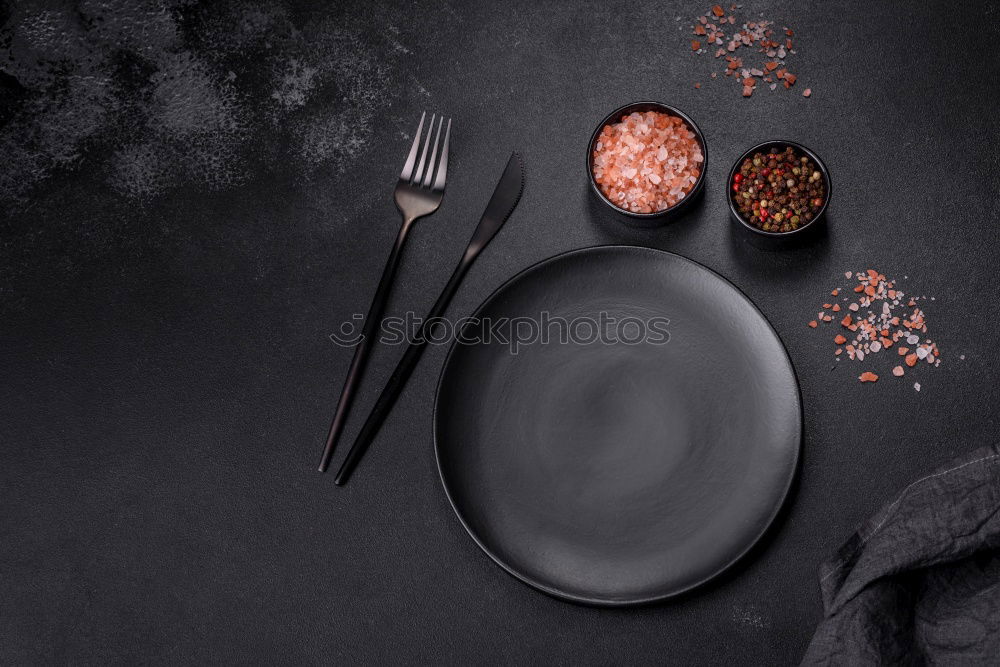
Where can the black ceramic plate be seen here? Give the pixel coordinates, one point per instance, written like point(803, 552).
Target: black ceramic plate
point(609, 472)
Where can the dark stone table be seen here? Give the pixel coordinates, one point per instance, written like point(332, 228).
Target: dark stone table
point(196, 195)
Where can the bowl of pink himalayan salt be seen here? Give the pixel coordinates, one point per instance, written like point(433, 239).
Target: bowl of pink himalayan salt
point(647, 160)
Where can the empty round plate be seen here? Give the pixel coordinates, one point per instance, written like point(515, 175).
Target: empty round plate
point(617, 425)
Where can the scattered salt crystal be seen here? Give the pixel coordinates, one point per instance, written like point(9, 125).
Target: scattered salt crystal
point(760, 36)
point(916, 385)
point(878, 329)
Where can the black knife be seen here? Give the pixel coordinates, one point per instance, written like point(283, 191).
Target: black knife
point(502, 203)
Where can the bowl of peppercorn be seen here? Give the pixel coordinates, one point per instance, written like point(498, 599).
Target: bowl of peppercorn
point(778, 188)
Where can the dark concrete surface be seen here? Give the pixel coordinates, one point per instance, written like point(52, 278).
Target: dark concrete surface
point(193, 196)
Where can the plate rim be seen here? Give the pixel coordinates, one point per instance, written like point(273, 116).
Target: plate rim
point(636, 601)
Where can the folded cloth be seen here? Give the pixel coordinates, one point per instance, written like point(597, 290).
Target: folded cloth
point(919, 583)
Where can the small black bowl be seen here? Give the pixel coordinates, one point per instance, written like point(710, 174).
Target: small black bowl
point(615, 116)
point(764, 147)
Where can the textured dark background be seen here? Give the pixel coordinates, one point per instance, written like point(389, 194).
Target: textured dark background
point(195, 195)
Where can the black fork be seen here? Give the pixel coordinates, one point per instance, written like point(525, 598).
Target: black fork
point(419, 192)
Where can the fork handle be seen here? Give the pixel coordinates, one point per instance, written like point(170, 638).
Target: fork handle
point(394, 387)
point(363, 349)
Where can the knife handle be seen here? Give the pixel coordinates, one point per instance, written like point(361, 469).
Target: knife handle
point(394, 387)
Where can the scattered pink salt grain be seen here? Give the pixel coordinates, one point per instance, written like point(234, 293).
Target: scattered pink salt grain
point(725, 36)
point(881, 319)
point(807, 92)
point(647, 162)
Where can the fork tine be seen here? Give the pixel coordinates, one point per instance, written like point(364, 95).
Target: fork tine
point(419, 173)
point(434, 152)
point(407, 172)
point(442, 173)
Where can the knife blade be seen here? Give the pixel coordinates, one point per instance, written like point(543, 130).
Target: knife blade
point(505, 198)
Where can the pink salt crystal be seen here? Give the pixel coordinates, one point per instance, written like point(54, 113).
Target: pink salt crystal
point(647, 162)
point(807, 92)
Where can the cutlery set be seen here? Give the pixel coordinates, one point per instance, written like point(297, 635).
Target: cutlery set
point(418, 193)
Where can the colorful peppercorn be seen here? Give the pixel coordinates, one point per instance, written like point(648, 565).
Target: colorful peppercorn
point(778, 191)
